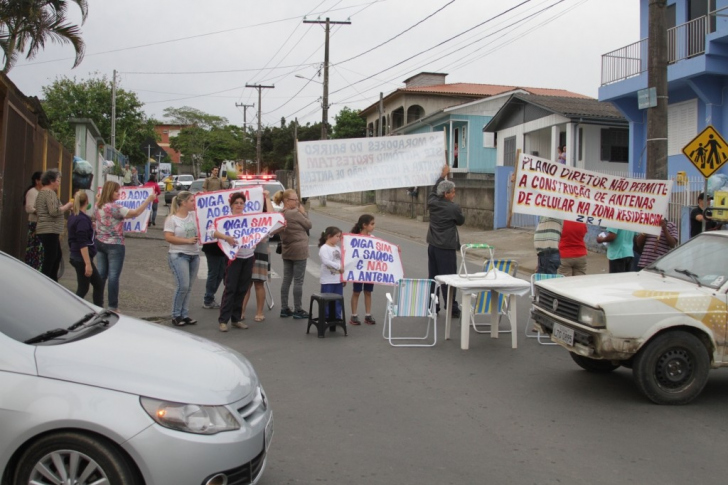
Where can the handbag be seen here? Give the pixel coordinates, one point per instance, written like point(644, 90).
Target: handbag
point(279, 248)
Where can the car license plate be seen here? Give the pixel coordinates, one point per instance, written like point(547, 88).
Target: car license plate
point(563, 334)
point(268, 432)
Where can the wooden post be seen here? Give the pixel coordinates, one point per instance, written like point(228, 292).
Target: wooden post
point(513, 187)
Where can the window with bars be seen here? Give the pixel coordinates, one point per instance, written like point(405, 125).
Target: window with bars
point(615, 145)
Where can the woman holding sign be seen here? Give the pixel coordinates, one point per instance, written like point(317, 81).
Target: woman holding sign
point(238, 274)
point(180, 231)
point(110, 217)
point(294, 242)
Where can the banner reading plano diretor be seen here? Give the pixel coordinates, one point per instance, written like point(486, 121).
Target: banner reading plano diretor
point(356, 164)
point(545, 188)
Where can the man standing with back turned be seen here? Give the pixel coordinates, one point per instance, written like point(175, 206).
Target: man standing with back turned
point(442, 236)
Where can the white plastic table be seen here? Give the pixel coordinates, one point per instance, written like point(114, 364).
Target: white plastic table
point(496, 281)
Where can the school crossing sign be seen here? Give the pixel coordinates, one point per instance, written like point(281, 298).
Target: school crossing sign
point(708, 151)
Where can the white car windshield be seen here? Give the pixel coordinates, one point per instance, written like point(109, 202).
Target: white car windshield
point(701, 260)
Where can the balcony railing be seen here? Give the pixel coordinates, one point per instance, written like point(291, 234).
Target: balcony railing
point(683, 42)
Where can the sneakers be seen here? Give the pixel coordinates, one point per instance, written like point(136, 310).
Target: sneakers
point(240, 325)
point(369, 320)
point(178, 321)
point(286, 312)
point(354, 320)
point(223, 327)
point(211, 306)
point(189, 321)
point(300, 314)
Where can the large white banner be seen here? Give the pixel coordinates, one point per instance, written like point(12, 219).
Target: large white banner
point(356, 164)
point(211, 205)
point(545, 188)
point(368, 259)
point(247, 230)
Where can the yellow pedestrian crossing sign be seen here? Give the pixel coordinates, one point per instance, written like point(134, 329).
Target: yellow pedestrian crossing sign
point(708, 151)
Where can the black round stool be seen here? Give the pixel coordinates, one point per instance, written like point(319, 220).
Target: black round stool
point(325, 300)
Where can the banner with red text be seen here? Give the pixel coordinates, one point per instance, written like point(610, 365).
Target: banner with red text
point(545, 188)
point(211, 205)
point(357, 164)
point(247, 229)
point(368, 259)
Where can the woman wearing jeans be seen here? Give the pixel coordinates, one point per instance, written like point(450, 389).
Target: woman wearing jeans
point(294, 242)
point(180, 231)
point(110, 217)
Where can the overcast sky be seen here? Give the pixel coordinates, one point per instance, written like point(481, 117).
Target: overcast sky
point(534, 43)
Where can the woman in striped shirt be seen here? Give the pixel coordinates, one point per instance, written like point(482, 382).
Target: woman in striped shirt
point(51, 222)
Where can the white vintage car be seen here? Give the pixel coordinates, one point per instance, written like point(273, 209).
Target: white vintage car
point(667, 322)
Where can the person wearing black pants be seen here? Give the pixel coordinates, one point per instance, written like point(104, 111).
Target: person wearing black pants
point(81, 243)
point(238, 276)
point(442, 236)
point(51, 222)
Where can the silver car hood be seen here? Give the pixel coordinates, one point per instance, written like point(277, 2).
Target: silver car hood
point(150, 360)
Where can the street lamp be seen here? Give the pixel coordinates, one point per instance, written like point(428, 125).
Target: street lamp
point(308, 79)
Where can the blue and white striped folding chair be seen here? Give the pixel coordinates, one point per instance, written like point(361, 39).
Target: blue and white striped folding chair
point(529, 326)
point(483, 300)
point(412, 298)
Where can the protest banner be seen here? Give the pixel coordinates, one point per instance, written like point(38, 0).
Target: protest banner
point(247, 229)
point(545, 188)
point(132, 198)
point(211, 205)
point(356, 164)
point(368, 259)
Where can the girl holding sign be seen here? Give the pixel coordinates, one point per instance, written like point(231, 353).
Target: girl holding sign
point(110, 217)
point(331, 267)
point(180, 231)
point(365, 227)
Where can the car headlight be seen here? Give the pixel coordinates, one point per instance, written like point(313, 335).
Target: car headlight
point(190, 418)
point(592, 317)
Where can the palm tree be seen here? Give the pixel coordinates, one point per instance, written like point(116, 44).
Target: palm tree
point(26, 25)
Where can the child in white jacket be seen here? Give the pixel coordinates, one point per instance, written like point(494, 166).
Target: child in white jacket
point(331, 265)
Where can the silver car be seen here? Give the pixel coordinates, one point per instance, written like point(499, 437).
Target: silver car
point(88, 396)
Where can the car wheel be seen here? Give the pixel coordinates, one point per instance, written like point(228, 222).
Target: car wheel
point(672, 368)
point(593, 365)
point(73, 458)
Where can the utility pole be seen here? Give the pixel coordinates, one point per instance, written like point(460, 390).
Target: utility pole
point(113, 116)
point(325, 103)
point(325, 100)
point(657, 78)
point(245, 111)
point(259, 87)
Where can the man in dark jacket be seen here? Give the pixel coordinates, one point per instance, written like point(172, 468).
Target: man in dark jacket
point(442, 236)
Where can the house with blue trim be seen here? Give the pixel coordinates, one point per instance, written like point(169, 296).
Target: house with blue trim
point(697, 73)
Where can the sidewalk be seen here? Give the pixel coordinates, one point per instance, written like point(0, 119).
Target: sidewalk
point(508, 243)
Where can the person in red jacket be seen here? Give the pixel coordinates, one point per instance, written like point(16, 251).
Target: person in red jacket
point(152, 183)
point(572, 249)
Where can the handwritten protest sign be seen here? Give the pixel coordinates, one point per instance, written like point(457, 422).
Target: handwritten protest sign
point(355, 164)
point(368, 259)
point(211, 205)
point(247, 229)
point(132, 198)
point(545, 188)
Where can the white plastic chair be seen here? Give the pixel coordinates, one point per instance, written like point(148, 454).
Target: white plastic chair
point(412, 298)
point(483, 300)
point(529, 326)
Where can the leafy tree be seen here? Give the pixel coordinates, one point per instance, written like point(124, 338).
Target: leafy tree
point(91, 98)
point(28, 24)
point(349, 124)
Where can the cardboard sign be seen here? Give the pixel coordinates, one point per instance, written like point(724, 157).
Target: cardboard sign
point(132, 198)
point(211, 205)
point(356, 164)
point(368, 259)
point(545, 188)
point(247, 229)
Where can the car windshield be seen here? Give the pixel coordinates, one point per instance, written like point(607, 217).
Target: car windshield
point(33, 304)
point(701, 260)
point(196, 186)
point(185, 178)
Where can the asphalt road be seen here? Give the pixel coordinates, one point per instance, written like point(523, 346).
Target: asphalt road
point(355, 410)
